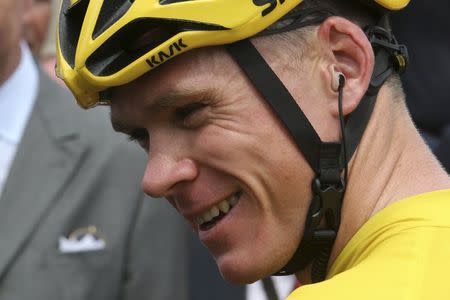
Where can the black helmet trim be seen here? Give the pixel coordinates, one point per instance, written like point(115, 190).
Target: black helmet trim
point(72, 16)
point(111, 11)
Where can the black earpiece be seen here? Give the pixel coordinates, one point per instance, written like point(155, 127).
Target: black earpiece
point(341, 80)
point(338, 81)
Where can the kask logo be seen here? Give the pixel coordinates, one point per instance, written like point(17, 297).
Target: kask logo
point(162, 56)
point(268, 10)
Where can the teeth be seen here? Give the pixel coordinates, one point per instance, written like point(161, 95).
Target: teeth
point(207, 216)
point(234, 200)
point(199, 220)
point(213, 212)
point(224, 206)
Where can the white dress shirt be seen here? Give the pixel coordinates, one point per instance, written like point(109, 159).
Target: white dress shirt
point(17, 96)
point(284, 285)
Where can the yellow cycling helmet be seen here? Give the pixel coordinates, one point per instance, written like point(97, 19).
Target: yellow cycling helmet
point(103, 44)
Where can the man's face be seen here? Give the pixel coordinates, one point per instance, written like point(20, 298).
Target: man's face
point(11, 25)
point(38, 24)
point(212, 143)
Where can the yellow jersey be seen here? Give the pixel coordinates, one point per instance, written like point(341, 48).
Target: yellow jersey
point(401, 253)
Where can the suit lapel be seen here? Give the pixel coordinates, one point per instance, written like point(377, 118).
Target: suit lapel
point(46, 158)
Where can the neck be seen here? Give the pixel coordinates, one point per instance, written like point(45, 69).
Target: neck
point(391, 163)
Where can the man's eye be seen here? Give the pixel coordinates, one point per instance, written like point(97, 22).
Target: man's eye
point(190, 115)
point(139, 136)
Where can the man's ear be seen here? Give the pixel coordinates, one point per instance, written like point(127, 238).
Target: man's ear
point(348, 53)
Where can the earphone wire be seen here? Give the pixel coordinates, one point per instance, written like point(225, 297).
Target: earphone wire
point(342, 123)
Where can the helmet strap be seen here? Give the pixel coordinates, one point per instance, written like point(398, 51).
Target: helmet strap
point(327, 160)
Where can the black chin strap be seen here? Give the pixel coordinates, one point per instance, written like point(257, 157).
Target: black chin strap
point(325, 158)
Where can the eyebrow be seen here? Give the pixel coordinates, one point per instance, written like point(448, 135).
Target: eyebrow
point(165, 103)
point(172, 98)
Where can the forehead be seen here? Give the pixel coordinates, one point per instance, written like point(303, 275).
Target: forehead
point(198, 72)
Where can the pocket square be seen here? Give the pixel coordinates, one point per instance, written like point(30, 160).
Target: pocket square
point(82, 240)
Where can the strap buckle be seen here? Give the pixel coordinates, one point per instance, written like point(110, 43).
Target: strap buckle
point(329, 197)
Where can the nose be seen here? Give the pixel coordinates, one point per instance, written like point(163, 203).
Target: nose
point(164, 172)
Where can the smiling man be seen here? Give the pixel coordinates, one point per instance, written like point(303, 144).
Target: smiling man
point(278, 130)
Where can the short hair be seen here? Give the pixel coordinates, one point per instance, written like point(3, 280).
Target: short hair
point(313, 12)
point(356, 11)
point(293, 29)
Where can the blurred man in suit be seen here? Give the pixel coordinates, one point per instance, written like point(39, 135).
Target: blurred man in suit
point(73, 222)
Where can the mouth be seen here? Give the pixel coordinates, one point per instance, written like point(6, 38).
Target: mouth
point(215, 214)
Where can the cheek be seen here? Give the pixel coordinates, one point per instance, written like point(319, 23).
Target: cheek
point(263, 159)
point(262, 156)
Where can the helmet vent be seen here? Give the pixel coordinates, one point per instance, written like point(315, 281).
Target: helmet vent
point(135, 40)
point(128, 44)
point(70, 20)
point(110, 12)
